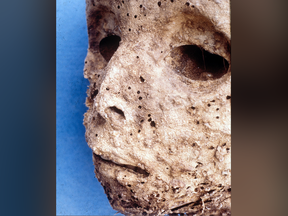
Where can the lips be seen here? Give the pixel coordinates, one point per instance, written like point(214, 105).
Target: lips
point(128, 167)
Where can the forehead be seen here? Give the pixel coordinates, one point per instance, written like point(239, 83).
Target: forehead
point(160, 16)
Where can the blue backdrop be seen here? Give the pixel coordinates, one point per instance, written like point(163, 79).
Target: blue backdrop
point(78, 192)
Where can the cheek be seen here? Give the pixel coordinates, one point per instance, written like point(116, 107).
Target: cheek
point(182, 110)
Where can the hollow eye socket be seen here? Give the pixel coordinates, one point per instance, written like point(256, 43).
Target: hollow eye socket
point(108, 46)
point(197, 64)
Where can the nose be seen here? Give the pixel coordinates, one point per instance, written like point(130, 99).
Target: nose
point(109, 103)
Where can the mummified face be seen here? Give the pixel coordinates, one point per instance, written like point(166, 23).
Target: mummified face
point(159, 104)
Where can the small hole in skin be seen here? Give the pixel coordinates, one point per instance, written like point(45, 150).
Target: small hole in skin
point(149, 115)
point(217, 117)
point(228, 97)
point(139, 131)
point(193, 108)
point(187, 3)
point(198, 122)
point(127, 14)
point(140, 6)
point(85, 62)
point(217, 109)
point(142, 79)
point(213, 101)
point(209, 105)
point(153, 124)
point(118, 7)
point(139, 107)
point(131, 134)
point(172, 1)
point(142, 121)
point(159, 4)
point(224, 144)
point(129, 87)
point(140, 98)
point(149, 119)
point(137, 56)
point(129, 29)
point(138, 92)
point(96, 135)
point(194, 144)
point(135, 16)
point(98, 75)
point(107, 89)
point(193, 6)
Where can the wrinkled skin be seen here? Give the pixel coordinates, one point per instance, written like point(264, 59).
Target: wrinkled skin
point(159, 104)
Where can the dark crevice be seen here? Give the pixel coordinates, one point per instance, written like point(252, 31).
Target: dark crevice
point(211, 191)
point(132, 168)
point(94, 94)
point(195, 63)
point(198, 202)
point(108, 46)
point(116, 110)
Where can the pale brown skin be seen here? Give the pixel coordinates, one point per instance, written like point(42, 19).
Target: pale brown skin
point(159, 105)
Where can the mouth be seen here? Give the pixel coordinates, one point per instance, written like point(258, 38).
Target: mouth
point(134, 169)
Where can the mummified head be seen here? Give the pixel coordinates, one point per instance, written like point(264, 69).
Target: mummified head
point(159, 104)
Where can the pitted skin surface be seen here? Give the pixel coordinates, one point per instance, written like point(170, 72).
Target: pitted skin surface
point(159, 118)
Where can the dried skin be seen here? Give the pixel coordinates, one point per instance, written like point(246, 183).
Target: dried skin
point(159, 105)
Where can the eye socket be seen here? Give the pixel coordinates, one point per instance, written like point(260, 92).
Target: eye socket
point(108, 46)
point(196, 63)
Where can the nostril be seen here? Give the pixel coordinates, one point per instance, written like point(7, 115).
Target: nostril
point(118, 111)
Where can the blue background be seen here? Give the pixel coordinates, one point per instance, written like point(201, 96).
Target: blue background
point(78, 192)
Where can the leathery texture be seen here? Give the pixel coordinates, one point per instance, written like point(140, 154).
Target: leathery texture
point(159, 117)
